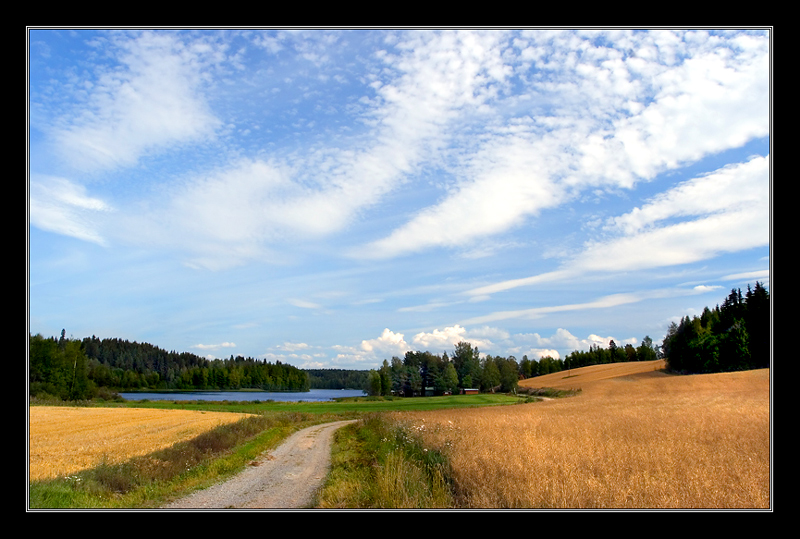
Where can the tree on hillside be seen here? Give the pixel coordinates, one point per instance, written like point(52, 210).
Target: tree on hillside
point(645, 351)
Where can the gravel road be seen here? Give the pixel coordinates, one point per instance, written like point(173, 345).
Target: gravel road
point(284, 478)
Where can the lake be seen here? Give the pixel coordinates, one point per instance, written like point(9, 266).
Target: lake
point(315, 395)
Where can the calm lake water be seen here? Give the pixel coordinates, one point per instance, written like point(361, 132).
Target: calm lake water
point(315, 395)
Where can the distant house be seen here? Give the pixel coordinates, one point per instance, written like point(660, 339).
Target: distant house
point(469, 391)
point(429, 392)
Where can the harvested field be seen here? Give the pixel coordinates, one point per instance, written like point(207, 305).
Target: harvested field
point(643, 440)
point(65, 440)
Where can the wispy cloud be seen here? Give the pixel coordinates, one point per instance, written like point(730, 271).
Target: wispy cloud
point(603, 302)
point(724, 211)
point(151, 102)
point(621, 114)
point(304, 304)
point(471, 185)
point(61, 206)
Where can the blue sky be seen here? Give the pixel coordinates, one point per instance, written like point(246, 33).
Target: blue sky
point(331, 198)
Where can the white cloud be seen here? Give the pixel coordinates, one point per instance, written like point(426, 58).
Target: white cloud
point(232, 215)
point(612, 300)
point(61, 206)
point(438, 99)
point(679, 110)
point(304, 304)
point(762, 275)
point(149, 102)
point(446, 339)
point(727, 211)
point(734, 188)
point(294, 347)
point(389, 343)
point(706, 288)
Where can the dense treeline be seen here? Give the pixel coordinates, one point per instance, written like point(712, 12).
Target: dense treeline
point(336, 378)
point(424, 373)
point(735, 336)
point(74, 369)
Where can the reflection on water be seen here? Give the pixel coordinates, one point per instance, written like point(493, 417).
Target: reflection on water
point(315, 395)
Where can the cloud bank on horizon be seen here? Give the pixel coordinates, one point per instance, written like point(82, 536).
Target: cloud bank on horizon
point(332, 198)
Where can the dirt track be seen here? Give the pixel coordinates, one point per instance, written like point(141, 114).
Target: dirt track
point(285, 478)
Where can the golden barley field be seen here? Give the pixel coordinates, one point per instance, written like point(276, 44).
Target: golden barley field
point(65, 440)
point(640, 440)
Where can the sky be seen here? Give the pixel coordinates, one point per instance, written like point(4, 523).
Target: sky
point(331, 198)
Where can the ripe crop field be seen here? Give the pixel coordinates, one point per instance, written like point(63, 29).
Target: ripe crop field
point(576, 378)
point(647, 440)
point(65, 440)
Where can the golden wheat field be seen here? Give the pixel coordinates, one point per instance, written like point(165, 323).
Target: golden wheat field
point(64, 440)
point(646, 440)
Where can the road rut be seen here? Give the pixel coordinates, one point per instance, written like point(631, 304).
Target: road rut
point(284, 478)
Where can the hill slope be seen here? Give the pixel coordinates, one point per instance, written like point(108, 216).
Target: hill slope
point(576, 378)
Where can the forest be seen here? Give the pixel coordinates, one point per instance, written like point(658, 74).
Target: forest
point(337, 378)
point(80, 369)
point(733, 336)
point(424, 373)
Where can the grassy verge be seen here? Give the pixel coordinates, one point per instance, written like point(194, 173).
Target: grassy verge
point(375, 464)
point(347, 408)
point(151, 480)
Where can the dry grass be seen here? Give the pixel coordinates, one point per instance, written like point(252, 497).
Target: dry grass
point(577, 378)
point(66, 440)
point(647, 440)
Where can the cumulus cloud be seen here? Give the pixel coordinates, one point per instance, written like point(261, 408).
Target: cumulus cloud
point(488, 339)
point(389, 343)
